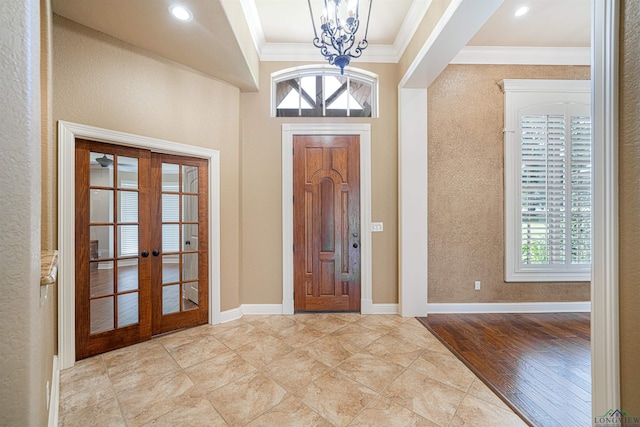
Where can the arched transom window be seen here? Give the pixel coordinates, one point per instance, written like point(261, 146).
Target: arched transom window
point(321, 91)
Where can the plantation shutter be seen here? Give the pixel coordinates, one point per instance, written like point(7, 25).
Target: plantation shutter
point(555, 189)
point(543, 187)
point(581, 197)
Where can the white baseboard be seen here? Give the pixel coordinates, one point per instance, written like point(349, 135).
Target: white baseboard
point(383, 309)
point(517, 307)
point(54, 398)
point(229, 315)
point(367, 307)
point(261, 308)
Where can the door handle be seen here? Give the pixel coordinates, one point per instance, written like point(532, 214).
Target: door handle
point(355, 245)
point(144, 254)
point(155, 252)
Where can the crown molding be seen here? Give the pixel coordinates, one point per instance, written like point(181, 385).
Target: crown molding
point(308, 52)
point(518, 55)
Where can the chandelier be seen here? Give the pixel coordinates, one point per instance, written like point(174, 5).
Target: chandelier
point(339, 24)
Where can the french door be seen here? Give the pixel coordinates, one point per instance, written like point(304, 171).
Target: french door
point(141, 245)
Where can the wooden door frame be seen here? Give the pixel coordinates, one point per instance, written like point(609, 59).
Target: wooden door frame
point(67, 134)
point(363, 130)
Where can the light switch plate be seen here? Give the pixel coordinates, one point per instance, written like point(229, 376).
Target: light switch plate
point(377, 226)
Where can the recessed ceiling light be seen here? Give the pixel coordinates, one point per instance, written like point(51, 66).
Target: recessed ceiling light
point(523, 10)
point(180, 12)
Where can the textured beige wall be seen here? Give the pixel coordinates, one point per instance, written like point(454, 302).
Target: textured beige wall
point(100, 81)
point(262, 196)
point(629, 193)
point(466, 221)
point(27, 332)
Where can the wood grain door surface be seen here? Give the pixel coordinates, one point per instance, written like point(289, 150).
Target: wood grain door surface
point(139, 271)
point(326, 216)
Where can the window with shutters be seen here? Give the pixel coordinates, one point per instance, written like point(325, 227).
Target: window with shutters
point(547, 180)
point(321, 91)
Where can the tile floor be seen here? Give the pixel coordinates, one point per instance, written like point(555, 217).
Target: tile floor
point(301, 370)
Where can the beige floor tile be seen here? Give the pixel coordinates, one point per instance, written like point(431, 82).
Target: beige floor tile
point(105, 413)
point(336, 397)
point(439, 348)
point(245, 399)
point(371, 371)
point(130, 354)
point(152, 364)
point(83, 369)
point(85, 391)
point(355, 337)
point(298, 335)
point(427, 397)
point(383, 412)
point(270, 324)
point(295, 370)
point(219, 371)
point(481, 391)
point(381, 323)
point(326, 323)
point(415, 334)
point(291, 412)
point(477, 412)
point(264, 351)
point(394, 349)
point(328, 350)
point(196, 412)
point(194, 350)
point(444, 368)
point(234, 338)
point(151, 400)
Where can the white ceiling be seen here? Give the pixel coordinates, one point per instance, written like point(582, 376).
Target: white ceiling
point(281, 29)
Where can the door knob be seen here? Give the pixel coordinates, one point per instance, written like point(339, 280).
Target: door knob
point(145, 254)
point(355, 245)
point(155, 252)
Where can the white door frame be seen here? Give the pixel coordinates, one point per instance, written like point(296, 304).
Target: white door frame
point(364, 131)
point(67, 134)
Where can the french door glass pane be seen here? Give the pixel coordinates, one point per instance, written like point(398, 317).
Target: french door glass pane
point(190, 296)
point(127, 172)
point(190, 208)
point(189, 179)
point(127, 275)
point(190, 237)
point(170, 208)
point(170, 268)
point(103, 236)
point(102, 315)
point(127, 309)
point(101, 206)
point(170, 237)
point(100, 170)
point(189, 267)
point(170, 299)
point(170, 177)
point(101, 279)
point(128, 240)
point(127, 206)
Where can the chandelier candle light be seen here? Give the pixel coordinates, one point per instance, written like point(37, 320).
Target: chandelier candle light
point(338, 27)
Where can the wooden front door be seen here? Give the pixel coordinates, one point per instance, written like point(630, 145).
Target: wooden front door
point(141, 245)
point(326, 217)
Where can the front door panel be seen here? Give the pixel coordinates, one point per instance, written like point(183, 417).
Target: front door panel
point(326, 223)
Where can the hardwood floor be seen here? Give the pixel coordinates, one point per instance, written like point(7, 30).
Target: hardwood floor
point(539, 364)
